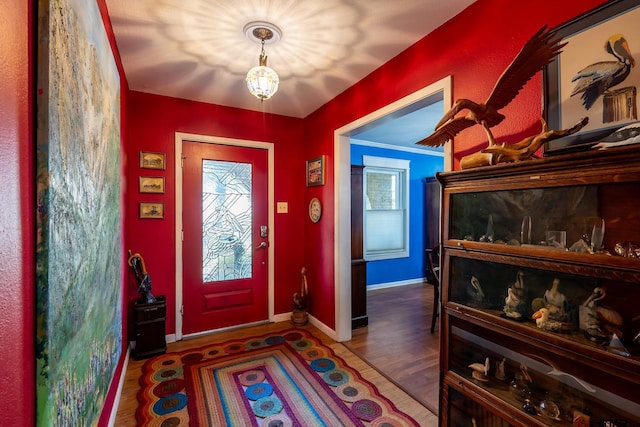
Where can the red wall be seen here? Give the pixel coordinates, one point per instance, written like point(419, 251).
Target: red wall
point(17, 283)
point(152, 123)
point(474, 47)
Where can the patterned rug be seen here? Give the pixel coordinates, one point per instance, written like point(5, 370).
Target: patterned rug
point(281, 379)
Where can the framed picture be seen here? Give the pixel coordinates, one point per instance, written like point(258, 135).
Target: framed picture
point(151, 184)
point(315, 171)
point(151, 160)
point(150, 210)
point(605, 41)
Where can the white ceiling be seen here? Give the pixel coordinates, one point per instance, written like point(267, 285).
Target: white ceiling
point(197, 50)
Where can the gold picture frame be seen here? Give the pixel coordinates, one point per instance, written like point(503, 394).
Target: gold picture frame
point(151, 184)
point(150, 210)
point(316, 171)
point(152, 160)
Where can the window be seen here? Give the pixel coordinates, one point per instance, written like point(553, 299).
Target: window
point(386, 210)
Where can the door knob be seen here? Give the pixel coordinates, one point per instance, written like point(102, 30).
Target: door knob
point(262, 245)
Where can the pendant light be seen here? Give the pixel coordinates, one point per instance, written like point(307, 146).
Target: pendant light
point(262, 81)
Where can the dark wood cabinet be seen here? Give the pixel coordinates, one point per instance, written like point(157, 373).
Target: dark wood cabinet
point(432, 193)
point(149, 325)
point(540, 290)
point(359, 316)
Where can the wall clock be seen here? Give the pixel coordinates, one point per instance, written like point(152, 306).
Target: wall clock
point(315, 209)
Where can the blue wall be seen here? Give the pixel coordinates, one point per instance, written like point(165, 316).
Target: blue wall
point(421, 166)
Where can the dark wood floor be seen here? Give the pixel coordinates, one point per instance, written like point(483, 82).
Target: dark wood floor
point(398, 341)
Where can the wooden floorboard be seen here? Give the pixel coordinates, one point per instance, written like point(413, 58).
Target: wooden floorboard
point(125, 416)
point(398, 341)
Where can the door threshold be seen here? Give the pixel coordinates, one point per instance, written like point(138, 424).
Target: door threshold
point(228, 328)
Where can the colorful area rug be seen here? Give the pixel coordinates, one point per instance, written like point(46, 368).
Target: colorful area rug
point(281, 379)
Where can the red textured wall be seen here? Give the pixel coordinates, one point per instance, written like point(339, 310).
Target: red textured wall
point(474, 47)
point(17, 394)
point(152, 123)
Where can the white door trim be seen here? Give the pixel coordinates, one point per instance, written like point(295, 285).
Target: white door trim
point(180, 137)
point(342, 197)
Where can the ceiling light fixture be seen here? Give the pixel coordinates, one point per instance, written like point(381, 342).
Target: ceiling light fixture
point(262, 81)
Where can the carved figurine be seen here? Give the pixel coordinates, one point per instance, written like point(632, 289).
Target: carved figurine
point(555, 301)
point(514, 299)
point(480, 371)
point(540, 50)
point(501, 372)
point(544, 322)
point(476, 295)
point(299, 315)
point(597, 321)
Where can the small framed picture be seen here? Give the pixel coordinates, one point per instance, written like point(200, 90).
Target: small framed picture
point(150, 210)
point(151, 160)
point(151, 184)
point(315, 171)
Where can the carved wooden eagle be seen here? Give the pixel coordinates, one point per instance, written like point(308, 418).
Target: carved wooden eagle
point(539, 51)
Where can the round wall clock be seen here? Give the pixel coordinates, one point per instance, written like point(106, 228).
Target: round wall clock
point(315, 209)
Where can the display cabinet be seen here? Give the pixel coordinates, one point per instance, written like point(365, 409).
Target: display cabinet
point(540, 269)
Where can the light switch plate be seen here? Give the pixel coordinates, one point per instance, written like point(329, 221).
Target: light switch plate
point(282, 207)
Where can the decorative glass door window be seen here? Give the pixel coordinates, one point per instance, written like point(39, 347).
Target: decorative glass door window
point(226, 220)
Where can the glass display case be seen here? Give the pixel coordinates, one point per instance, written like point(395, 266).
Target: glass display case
point(541, 292)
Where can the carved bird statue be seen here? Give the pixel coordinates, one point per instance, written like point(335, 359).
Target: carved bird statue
point(475, 293)
point(539, 51)
point(545, 323)
point(300, 298)
point(599, 321)
point(595, 79)
point(480, 371)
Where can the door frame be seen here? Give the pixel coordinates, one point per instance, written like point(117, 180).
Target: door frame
point(342, 195)
point(180, 137)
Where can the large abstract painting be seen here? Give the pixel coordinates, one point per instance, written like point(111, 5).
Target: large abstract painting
point(79, 312)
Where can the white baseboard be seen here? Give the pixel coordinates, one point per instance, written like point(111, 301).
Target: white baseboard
point(394, 284)
point(116, 399)
point(286, 317)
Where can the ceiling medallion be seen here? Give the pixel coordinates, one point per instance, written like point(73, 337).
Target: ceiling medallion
point(262, 81)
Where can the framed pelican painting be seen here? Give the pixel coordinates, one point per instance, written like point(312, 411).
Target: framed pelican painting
point(595, 76)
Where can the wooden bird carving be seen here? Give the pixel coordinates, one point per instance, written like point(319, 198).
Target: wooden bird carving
point(539, 51)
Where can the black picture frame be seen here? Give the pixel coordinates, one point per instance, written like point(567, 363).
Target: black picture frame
point(316, 171)
point(556, 104)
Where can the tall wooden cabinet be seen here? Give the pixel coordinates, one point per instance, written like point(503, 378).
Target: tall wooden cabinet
point(540, 271)
point(432, 192)
point(359, 316)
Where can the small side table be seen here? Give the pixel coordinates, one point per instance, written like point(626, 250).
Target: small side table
point(149, 324)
